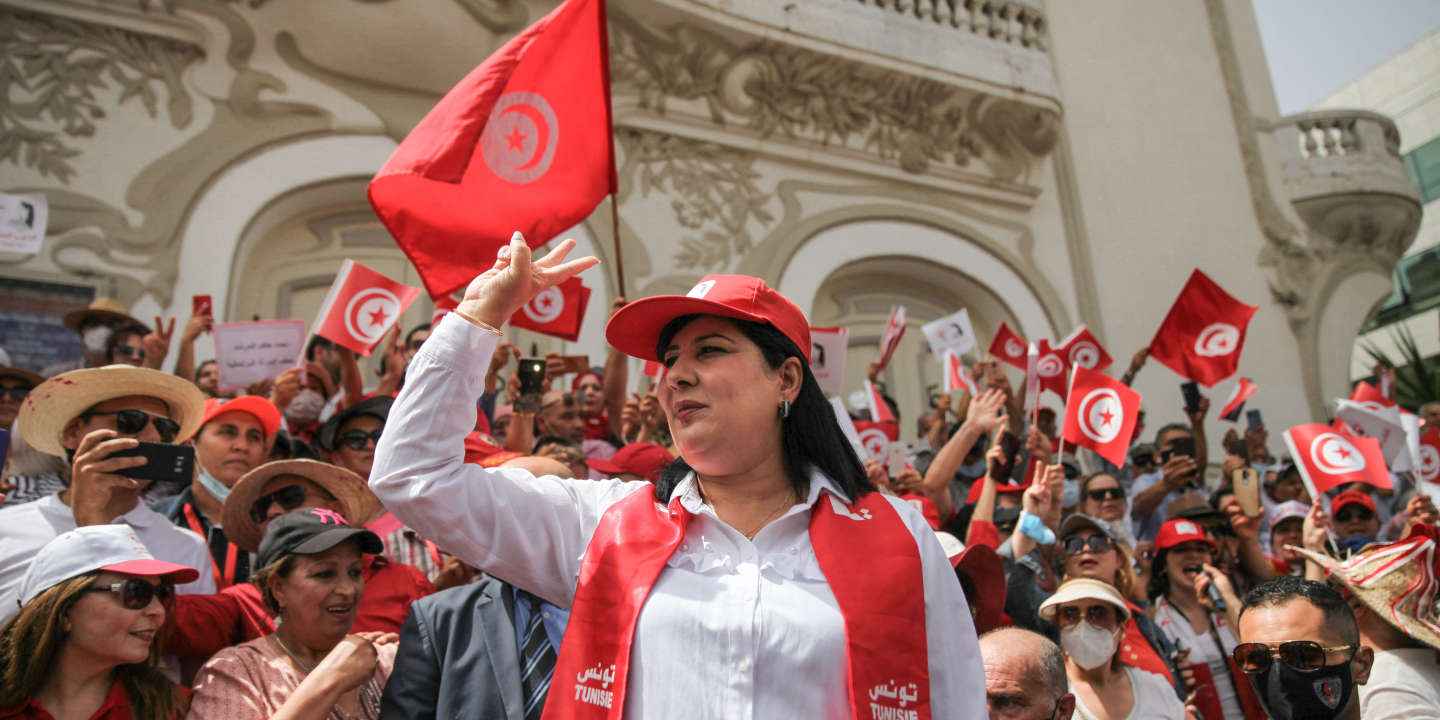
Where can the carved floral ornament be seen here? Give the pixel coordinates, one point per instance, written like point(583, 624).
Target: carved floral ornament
point(786, 93)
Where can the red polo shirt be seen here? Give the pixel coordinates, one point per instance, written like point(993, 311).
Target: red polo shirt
point(115, 707)
point(202, 625)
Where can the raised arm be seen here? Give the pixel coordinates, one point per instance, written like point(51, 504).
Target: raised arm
point(526, 530)
point(615, 380)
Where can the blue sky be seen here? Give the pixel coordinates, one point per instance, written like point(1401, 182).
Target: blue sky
point(1316, 46)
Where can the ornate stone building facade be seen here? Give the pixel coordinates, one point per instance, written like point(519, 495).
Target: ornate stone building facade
point(1044, 164)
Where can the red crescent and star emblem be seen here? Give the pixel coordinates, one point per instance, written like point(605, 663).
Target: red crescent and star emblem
point(370, 313)
point(519, 140)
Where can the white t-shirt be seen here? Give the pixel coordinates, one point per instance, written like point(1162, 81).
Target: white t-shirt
point(1154, 699)
point(1403, 685)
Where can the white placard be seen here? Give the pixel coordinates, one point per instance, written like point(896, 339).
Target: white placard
point(22, 223)
point(248, 352)
point(952, 332)
point(847, 426)
point(829, 347)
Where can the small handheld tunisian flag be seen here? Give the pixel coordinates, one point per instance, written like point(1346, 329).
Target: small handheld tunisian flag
point(1082, 349)
point(556, 311)
point(894, 330)
point(1429, 469)
point(1101, 414)
point(876, 436)
point(1009, 347)
point(956, 377)
point(1370, 396)
point(1051, 367)
point(1244, 388)
point(1202, 335)
point(522, 142)
point(361, 307)
point(1328, 456)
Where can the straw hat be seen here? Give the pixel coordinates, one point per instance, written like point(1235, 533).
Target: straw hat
point(1398, 581)
point(57, 401)
point(104, 311)
point(357, 503)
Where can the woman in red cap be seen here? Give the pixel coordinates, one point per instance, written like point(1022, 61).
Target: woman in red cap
point(762, 576)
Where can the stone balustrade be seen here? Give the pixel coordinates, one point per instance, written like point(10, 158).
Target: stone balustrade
point(1344, 175)
point(1016, 23)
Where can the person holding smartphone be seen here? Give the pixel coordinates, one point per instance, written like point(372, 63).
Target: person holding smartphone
point(1179, 474)
point(97, 418)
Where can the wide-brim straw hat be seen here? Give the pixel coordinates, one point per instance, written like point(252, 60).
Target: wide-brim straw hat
point(104, 311)
point(357, 503)
point(54, 403)
point(1398, 581)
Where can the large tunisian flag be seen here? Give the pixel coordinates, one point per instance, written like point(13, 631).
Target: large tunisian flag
point(522, 143)
point(1202, 335)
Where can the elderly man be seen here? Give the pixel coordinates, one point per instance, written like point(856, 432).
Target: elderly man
point(88, 416)
point(1024, 676)
point(1301, 650)
point(234, 438)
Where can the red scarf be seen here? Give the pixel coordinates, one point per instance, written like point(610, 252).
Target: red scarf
point(887, 660)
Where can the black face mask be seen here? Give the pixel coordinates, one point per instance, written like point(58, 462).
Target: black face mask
point(1288, 694)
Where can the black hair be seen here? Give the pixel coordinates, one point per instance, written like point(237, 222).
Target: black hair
point(810, 437)
point(201, 367)
point(1226, 488)
point(422, 327)
point(1281, 590)
point(119, 337)
point(1169, 428)
point(544, 440)
point(1159, 582)
point(317, 343)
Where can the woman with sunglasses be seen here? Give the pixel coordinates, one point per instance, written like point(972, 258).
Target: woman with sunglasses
point(1183, 584)
point(1091, 616)
point(206, 624)
point(1103, 497)
point(311, 577)
point(83, 644)
point(762, 576)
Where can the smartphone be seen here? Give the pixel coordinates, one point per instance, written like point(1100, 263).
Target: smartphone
point(201, 305)
point(1178, 446)
point(162, 462)
point(1010, 445)
point(1191, 393)
point(1246, 483)
point(896, 458)
point(1253, 421)
point(532, 383)
point(575, 364)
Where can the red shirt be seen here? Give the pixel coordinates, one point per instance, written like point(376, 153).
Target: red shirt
point(115, 707)
point(597, 427)
point(203, 625)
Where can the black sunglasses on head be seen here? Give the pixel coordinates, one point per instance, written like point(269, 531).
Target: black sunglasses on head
point(15, 393)
point(290, 497)
point(136, 594)
point(1074, 545)
point(133, 422)
point(358, 440)
point(1104, 494)
point(1302, 655)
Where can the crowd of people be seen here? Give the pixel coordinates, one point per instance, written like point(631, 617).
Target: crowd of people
point(451, 542)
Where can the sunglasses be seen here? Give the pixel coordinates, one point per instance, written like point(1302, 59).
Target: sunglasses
point(358, 440)
point(131, 352)
point(290, 497)
point(1098, 615)
point(1074, 545)
point(1104, 494)
point(14, 393)
point(136, 594)
point(1356, 515)
point(133, 422)
point(1302, 655)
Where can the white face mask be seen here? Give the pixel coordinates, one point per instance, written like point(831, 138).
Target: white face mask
point(305, 408)
point(1089, 646)
point(95, 337)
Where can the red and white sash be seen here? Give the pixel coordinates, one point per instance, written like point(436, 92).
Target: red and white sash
point(859, 547)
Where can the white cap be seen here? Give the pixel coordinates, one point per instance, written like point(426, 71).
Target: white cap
point(1286, 510)
point(114, 548)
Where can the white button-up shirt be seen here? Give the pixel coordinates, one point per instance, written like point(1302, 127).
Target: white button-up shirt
point(24, 529)
point(733, 628)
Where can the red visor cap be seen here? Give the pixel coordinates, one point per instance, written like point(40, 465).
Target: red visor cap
point(635, 328)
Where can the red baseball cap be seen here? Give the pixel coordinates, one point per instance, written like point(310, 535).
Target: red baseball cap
point(1352, 497)
point(1180, 531)
point(635, 328)
point(253, 405)
point(644, 460)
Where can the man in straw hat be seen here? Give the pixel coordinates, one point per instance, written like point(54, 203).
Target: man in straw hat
point(1392, 589)
point(206, 624)
point(96, 324)
point(87, 416)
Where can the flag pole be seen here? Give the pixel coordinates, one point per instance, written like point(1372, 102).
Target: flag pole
point(610, 121)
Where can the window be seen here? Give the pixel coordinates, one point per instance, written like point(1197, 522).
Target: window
point(1423, 164)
